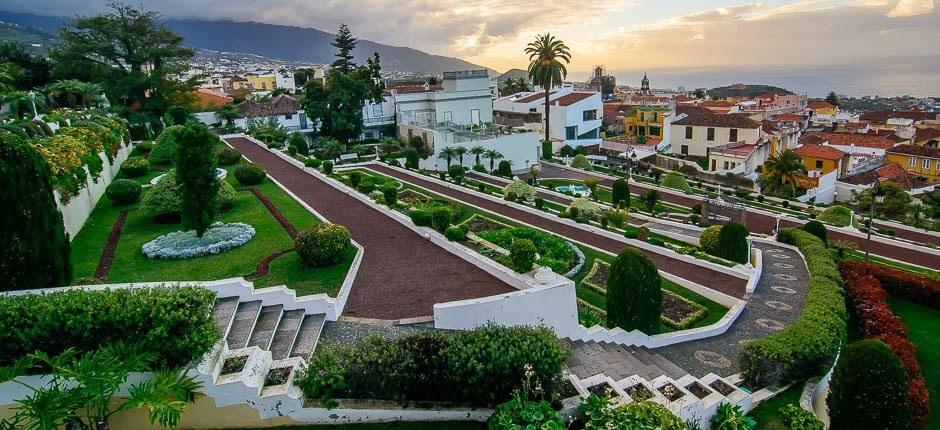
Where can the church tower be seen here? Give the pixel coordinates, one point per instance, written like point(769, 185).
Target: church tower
point(645, 85)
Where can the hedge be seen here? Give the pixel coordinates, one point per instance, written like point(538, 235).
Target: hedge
point(809, 345)
point(908, 286)
point(123, 191)
point(676, 180)
point(836, 215)
point(322, 245)
point(173, 323)
point(868, 389)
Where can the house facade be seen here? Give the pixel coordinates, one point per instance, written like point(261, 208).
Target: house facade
point(576, 116)
point(695, 134)
point(647, 121)
point(918, 160)
point(822, 159)
point(464, 99)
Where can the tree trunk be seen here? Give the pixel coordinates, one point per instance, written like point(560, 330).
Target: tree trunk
point(546, 111)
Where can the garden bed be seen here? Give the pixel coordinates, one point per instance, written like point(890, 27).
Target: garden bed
point(698, 390)
point(277, 376)
point(234, 364)
point(639, 392)
point(721, 387)
point(680, 313)
point(603, 390)
point(671, 392)
point(478, 223)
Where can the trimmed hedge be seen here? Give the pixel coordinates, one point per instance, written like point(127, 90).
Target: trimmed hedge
point(677, 180)
point(522, 255)
point(620, 193)
point(135, 167)
point(250, 174)
point(123, 191)
point(173, 323)
point(837, 215)
point(817, 229)
point(322, 245)
point(906, 285)
point(732, 243)
point(809, 345)
point(869, 389)
point(228, 156)
point(708, 241)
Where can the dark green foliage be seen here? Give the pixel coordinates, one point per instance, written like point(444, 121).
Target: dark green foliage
point(322, 245)
point(519, 413)
point(313, 162)
point(596, 412)
point(174, 323)
point(456, 171)
point(539, 203)
point(817, 229)
point(634, 296)
point(456, 233)
point(522, 255)
point(297, 140)
point(869, 389)
point(546, 149)
point(650, 199)
point(421, 218)
point(328, 167)
point(250, 174)
point(504, 168)
point(797, 418)
point(164, 149)
point(229, 156)
point(123, 191)
point(354, 179)
point(34, 249)
point(441, 218)
point(732, 243)
point(620, 191)
point(195, 172)
point(177, 115)
point(135, 167)
point(481, 187)
point(390, 192)
point(411, 158)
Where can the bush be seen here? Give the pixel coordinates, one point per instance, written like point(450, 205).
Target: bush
point(456, 171)
point(708, 241)
point(297, 141)
point(519, 413)
point(421, 218)
point(164, 150)
point(250, 174)
point(596, 412)
point(481, 187)
point(411, 158)
point(456, 233)
point(229, 156)
point(123, 191)
point(634, 296)
point(354, 179)
point(643, 233)
point(620, 193)
point(522, 255)
point(869, 389)
point(520, 189)
point(617, 217)
point(581, 162)
point(511, 196)
point(328, 167)
point(539, 203)
point(837, 215)
point(441, 218)
point(135, 167)
point(732, 243)
point(195, 173)
point(173, 323)
point(732, 417)
point(797, 418)
point(163, 200)
point(144, 147)
point(390, 193)
point(899, 283)
point(677, 181)
point(322, 245)
point(582, 208)
point(809, 345)
point(547, 149)
point(504, 168)
point(817, 229)
point(312, 163)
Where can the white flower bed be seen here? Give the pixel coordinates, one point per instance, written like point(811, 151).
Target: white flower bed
point(184, 244)
point(577, 267)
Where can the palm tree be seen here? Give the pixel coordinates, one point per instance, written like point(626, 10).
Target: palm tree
point(460, 151)
point(546, 55)
point(448, 153)
point(90, 93)
point(21, 105)
point(390, 144)
point(492, 155)
point(477, 151)
point(780, 173)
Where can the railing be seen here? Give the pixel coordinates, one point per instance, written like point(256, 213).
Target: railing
point(868, 164)
point(467, 74)
point(379, 120)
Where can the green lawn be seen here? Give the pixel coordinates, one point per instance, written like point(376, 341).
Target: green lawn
point(605, 195)
point(446, 425)
point(767, 413)
point(923, 324)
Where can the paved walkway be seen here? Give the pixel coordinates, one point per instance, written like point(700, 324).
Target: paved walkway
point(402, 275)
point(762, 223)
point(701, 275)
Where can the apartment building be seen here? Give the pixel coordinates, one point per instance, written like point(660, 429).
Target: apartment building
point(576, 116)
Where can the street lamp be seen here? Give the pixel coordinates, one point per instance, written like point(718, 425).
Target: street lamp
point(32, 100)
point(878, 195)
point(777, 225)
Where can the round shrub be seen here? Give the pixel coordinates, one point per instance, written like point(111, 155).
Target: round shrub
point(709, 239)
point(322, 245)
point(456, 233)
point(677, 181)
point(144, 147)
point(456, 171)
point(732, 243)
point(421, 218)
point(520, 189)
point(869, 389)
point(390, 193)
point(522, 255)
point(581, 162)
point(135, 167)
point(837, 214)
point(441, 218)
point(817, 229)
point(229, 156)
point(328, 167)
point(354, 179)
point(250, 174)
point(123, 191)
point(634, 296)
point(583, 208)
point(620, 193)
point(504, 168)
point(312, 162)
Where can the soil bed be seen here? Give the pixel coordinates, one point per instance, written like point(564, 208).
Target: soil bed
point(277, 376)
point(639, 392)
point(234, 364)
point(677, 310)
point(698, 390)
point(722, 387)
point(671, 392)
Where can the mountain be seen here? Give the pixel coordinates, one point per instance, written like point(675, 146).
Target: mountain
point(743, 90)
point(31, 39)
point(276, 41)
point(512, 74)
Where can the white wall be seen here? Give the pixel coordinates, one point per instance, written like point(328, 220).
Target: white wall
point(699, 143)
point(522, 149)
point(79, 207)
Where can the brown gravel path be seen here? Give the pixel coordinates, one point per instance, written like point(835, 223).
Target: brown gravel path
point(402, 275)
point(725, 283)
point(761, 223)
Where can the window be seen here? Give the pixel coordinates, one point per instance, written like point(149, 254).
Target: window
point(448, 116)
point(688, 132)
point(654, 116)
point(926, 163)
point(733, 135)
point(710, 135)
point(685, 149)
point(589, 115)
point(571, 133)
point(377, 110)
point(725, 165)
point(912, 161)
point(819, 164)
point(288, 116)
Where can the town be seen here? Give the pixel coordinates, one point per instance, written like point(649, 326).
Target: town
point(204, 239)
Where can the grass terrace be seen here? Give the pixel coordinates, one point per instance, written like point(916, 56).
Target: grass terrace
point(923, 323)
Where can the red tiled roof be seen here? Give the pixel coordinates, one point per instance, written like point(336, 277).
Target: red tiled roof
point(693, 110)
point(920, 151)
point(683, 98)
point(893, 172)
point(789, 117)
point(733, 120)
point(811, 139)
point(819, 104)
point(280, 105)
point(532, 97)
point(570, 98)
point(819, 151)
point(209, 99)
point(884, 115)
point(923, 134)
point(848, 139)
point(883, 132)
point(856, 125)
point(743, 149)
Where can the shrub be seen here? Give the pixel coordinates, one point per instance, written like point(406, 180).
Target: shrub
point(390, 193)
point(539, 203)
point(411, 158)
point(322, 245)
point(817, 229)
point(596, 412)
point(677, 181)
point(732, 243)
point(456, 233)
point(837, 215)
point(522, 255)
point(797, 418)
point(731, 417)
point(195, 173)
point(547, 149)
point(144, 147)
point(480, 168)
point(504, 168)
point(164, 149)
point(617, 217)
point(456, 171)
point(643, 233)
point(481, 187)
point(708, 241)
point(634, 296)
point(123, 191)
point(918, 289)
point(869, 389)
point(695, 218)
point(583, 208)
point(511, 196)
point(553, 251)
point(807, 346)
point(519, 413)
point(312, 163)
point(421, 218)
point(135, 167)
point(250, 174)
point(173, 323)
point(760, 198)
point(521, 189)
point(441, 218)
point(620, 193)
point(581, 162)
point(327, 167)
point(354, 179)
point(229, 156)
point(297, 141)
point(163, 200)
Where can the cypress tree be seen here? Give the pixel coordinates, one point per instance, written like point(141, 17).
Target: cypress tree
point(195, 172)
point(732, 243)
point(621, 192)
point(634, 294)
point(34, 249)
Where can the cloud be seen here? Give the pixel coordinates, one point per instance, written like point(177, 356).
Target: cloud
point(911, 8)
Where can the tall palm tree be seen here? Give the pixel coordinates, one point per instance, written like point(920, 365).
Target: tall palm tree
point(781, 171)
point(547, 59)
point(477, 151)
point(492, 155)
point(448, 153)
point(460, 151)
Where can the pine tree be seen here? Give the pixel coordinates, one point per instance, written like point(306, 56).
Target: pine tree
point(634, 294)
point(345, 43)
point(195, 172)
point(34, 249)
point(832, 98)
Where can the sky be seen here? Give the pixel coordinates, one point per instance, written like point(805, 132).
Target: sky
point(626, 36)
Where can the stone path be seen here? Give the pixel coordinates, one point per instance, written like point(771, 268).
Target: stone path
point(590, 358)
point(701, 275)
point(402, 275)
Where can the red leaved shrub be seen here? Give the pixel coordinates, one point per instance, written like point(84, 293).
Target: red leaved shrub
point(898, 283)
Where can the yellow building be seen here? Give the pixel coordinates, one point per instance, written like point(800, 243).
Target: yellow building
point(645, 121)
point(821, 159)
point(919, 160)
point(820, 107)
point(262, 82)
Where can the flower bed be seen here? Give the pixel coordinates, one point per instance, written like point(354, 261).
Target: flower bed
point(554, 252)
point(671, 392)
point(639, 392)
point(234, 364)
point(277, 376)
point(478, 223)
point(184, 244)
point(596, 279)
point(410, 197)
point(679, 312)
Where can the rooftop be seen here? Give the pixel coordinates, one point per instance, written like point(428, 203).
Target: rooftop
point(917, 150)
point(280, 105)
point(819, 151)
point(923, 134)
point(848, 139)
point(893, 172)
point(789, 117)
point(885, 115)
point(571, 98)
point(732, 120)
point(819, 104)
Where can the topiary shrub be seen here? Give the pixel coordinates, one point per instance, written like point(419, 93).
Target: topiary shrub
point(390, 193)
point(643, 233)
point(582, 208)
point(634, 295)
point(504, 168)
point(708, 241)
point(581, 162)
point(522, 255)
point(123, 191)
point(135, 167)
point(144, 147)
point(421, 218)
point(229, 156)
point(328, 167)
point(195, 173)
point(250, 174)
point(322, 245)
point(539, 203)
point(298, 142)
point(163, 200)
point(869, 389)
point(441, 218)
point(456, 171)
point(520, 189)
point(411, 158)
point(313, 163)
point(837, 215)
point(354, 179)
point(456, 233)
point(620, 191)
point(732, 243)
point(164, 150)
point(817, 229)
point(677, 181)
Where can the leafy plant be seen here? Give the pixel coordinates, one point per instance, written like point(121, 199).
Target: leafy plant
point(135, 167)
point(195, 172)
point(123, 191)
point(837, 215)
point(708, 241)
point(521, 414)
point(732, 243)
point(817, 229)
point(596, 413)
point(797, 418)
point(869, 389)
point(677, 180)
point(250, 174)
point(164, 199)
point(634, 294)
point(581, 162)
point(520, 189)
point(522, 255)
point(620, 193)
point(322, 245)
point(441, 218)
point(732, 417)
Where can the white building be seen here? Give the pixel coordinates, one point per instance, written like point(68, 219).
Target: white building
point(285, 80)
point(465, 99)
point(576, 116)
point(378, 118)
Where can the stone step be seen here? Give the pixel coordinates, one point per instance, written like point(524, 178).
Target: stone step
point(286, 333)
point(643, 355)
point(224, 311)
point(245, 317)
point(307, 336)
point(263, 332)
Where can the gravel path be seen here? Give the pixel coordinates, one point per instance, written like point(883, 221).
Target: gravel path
point(719, 281)
point(776, 303)
point(402, 275)
point(761, 223)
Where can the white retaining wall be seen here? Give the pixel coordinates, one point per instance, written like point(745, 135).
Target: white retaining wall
point(79, 207)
